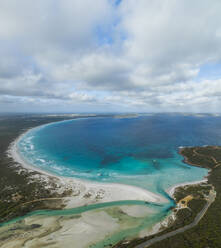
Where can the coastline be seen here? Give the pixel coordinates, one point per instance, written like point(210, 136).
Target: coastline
point(186, 160)
point(163, 224)
point(99, 192)
point(17, 187)
point(170, 237)
point(95, 192)
point(170, 191)
point(85, 192)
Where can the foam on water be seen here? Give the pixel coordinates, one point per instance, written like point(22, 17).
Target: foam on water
point(140, 151)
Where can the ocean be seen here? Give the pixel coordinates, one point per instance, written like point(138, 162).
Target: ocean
point(141, 151)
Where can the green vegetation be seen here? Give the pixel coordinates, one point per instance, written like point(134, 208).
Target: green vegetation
point(208, 157)
point(184, 216)
point(16, 188)
point(207, 233)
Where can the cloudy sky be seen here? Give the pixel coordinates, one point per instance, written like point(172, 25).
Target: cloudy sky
point(110, 55)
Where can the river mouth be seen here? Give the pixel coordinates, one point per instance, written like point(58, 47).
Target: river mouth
point(140, 152)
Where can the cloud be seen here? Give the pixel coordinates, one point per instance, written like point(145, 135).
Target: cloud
point(130, 55)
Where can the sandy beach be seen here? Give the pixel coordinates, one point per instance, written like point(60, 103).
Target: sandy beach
point(97, 224)
point(170, 191)
point(83, 191)
point(77, 230)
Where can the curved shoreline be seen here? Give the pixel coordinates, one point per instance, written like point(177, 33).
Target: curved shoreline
point(195, 222)
point(145, 195)
point(172, 189)
point(114, 191)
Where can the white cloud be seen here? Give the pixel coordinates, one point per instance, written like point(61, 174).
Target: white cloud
point(141, 55)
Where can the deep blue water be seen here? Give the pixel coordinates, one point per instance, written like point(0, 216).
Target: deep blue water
point(139, 151)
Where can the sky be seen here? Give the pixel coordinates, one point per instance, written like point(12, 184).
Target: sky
point(110, 56)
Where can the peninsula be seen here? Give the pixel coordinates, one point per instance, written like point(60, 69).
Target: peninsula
point(198, 217)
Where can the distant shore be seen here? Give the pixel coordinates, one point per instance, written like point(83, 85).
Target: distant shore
point(85, 192)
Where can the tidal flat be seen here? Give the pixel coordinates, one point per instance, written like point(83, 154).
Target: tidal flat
point(39, 191)
point(24, 191)
point(74, 230)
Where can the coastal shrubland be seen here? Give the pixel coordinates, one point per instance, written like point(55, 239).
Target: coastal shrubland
point(207, 232)
point(17, 186)
point(19, 192)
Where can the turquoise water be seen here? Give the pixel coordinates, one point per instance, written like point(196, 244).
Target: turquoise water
point(160, 212)
point(79, 210)
point(140, 151)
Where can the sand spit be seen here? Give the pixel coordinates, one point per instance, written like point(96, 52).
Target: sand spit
point(75, 230)
point(137, 211)
point(57, 231)
point(172, 189)
point(81, 230)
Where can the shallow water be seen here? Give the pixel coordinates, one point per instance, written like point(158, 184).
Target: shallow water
point(140, 151)
point(129, 226)
point(79, 210)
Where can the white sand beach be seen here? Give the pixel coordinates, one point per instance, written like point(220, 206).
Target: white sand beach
point(86, 192)
point(75, 230)
point(96, 224)
point(172, 189)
